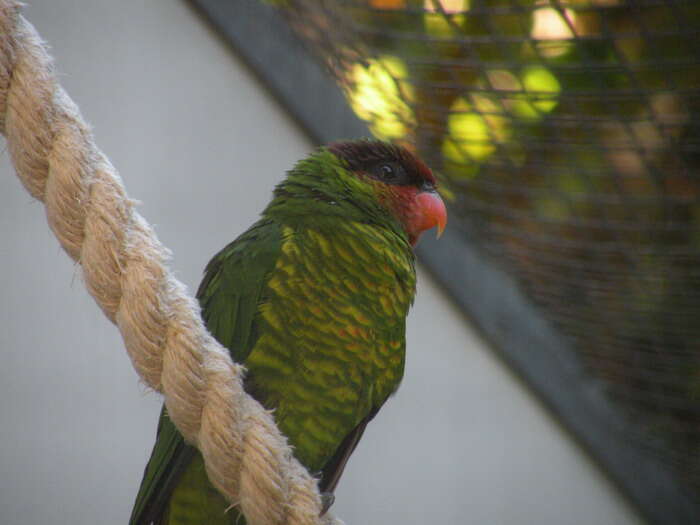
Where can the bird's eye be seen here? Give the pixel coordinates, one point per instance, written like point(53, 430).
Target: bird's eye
point(387, 172)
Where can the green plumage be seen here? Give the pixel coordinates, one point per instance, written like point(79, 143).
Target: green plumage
point(313, 299)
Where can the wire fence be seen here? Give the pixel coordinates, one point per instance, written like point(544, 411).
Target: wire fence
point(567, 136)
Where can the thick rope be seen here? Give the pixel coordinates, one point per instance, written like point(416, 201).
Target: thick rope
point(123, 263)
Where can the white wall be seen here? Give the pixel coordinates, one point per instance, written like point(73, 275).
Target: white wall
point(200, 143)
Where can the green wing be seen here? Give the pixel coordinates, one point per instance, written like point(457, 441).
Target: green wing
point(233, 287)
point(229, 295)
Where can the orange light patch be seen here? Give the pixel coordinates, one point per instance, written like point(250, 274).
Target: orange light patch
point(357, 332)
point(317, 312)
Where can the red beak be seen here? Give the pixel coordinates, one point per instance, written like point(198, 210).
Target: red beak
point(432, 212)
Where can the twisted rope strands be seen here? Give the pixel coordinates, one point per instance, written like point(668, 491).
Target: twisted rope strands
point(124, 269)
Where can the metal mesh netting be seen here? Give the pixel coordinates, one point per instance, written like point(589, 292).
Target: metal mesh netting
point(567, 134)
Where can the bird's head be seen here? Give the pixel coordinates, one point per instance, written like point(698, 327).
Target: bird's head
point(401, 182)
point(362, 180)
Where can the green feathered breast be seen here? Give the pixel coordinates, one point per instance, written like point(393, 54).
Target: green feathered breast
point(313, 299)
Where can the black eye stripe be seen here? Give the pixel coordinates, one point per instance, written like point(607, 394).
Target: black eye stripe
point(390, 172)
point(367, 156)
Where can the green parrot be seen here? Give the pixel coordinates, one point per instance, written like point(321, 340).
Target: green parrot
point(313, 300)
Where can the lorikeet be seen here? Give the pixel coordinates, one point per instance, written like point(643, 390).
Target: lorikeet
point(313, 299)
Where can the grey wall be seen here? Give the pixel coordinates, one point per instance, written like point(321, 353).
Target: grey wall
point(201, 144)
